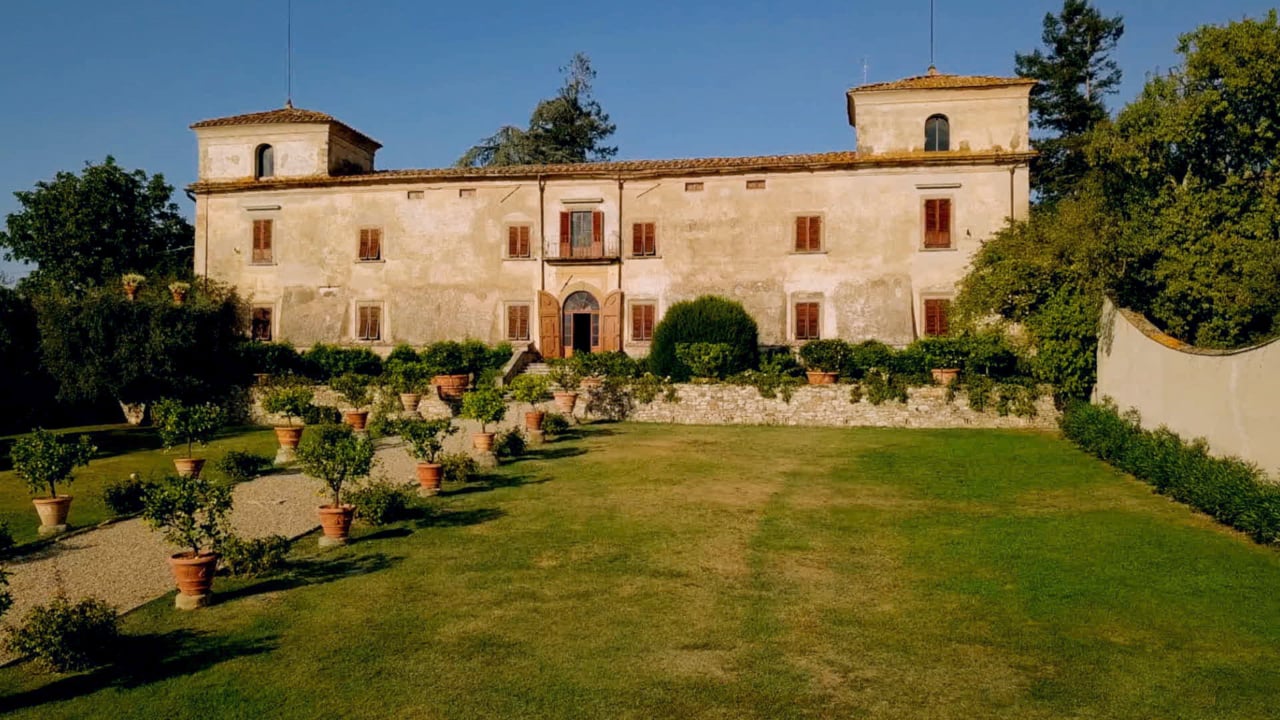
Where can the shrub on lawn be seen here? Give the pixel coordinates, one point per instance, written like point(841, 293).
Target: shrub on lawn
point(709, 319)
point(252, 558)
point(379, 502)
point(458, 467)
point(553, 423)
point(67, 636)
point(511, 444)
point(6, 538)
point(239, 466)
point(705, 360)
point(124, 496)
point(1232, 491)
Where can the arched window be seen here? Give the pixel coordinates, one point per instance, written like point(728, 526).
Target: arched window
point(264, 162)
point(937, 134)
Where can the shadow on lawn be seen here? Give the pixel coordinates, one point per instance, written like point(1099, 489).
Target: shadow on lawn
point(312, 572)
point(443, 518)
point(487, 483)
point(142, 660)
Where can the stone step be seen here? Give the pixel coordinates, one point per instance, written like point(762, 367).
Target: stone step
point(537, 369)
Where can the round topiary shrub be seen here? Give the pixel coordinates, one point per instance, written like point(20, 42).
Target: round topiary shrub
point(709, 319)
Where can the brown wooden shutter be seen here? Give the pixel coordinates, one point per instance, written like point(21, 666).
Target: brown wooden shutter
point(525, 249)
point(637, 239)
point(611, 319)
point(807, 321)
point(597, 233)
point(937, 223)
point(944, 225)
point(564, 237)
point(261, 241)
point(549, 325)
point(261, 325)
point(936, 321)
point(513, 241)
point(375, 323)
point(815, 234)
point(802, 233)
point(651, 238)
point(642, 323)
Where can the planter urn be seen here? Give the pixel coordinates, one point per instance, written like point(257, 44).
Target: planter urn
point(565, 401)
point(53, 513)
point(945, 376)
point(335, 522)
point(288, 436)
point(451, 387)
point(409, 401)
point(188, 467)
point(193, 575)
point(357, 419)
point(179, 296)
point(430, 476)
point(483, 441)
point(820, 377)
point(533, 420)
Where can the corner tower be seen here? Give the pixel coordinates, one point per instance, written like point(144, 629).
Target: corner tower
point(285, 143)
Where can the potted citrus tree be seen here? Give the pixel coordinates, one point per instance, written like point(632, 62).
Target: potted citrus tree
point(178, 290)
point(191, 512)
point(180, 424)
point(566, 374)
point(484, 405)
point(531, 389)
point(355, 390)
point(446, 362)
point(406, 378)
point(426, 440)
point(131, 283)
point(290, 400)
point(335, 455)
point(43, 460)
point(945, 357)
point(824, 360)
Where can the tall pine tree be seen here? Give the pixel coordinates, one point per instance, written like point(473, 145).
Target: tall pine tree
point(1076, 72)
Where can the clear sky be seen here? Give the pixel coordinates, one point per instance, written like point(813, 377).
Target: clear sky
point(83, 79)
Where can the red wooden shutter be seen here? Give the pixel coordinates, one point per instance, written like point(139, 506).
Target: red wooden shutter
point(802, 233)
point(815, 234)
point(935, 317)
point(525, 250)
point(518, 322)
point(375, 323)
point(564, 235)
point(651, 239)
point(637, 239)
point(524, 322)
point(937, 223)
point(642, 323)
point(261, 241)
point(944, 224)
point(597, 233)
point(513, 241)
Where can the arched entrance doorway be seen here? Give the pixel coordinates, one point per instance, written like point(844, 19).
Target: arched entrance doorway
point(581, 323)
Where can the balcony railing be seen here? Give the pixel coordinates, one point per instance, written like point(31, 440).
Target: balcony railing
point(606, 251)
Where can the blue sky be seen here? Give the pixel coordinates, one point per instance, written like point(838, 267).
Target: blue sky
point(81, 79)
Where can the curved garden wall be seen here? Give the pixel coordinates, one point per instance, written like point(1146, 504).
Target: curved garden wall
point(1229, 398)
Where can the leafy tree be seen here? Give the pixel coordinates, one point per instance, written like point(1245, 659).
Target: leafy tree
point(27, 390)
point(708, 319)
point(334, 455)
point(89, 229)
point(1076, 72)
point(568, 128)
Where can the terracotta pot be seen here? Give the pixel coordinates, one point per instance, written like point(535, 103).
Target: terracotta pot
point(818, 377)
point(945, 376)
point(451, 387)
point(430, 476)
point(188, 467)
point(565, 401)
point(131, 292)
point(179, 296)
point(409, 401)
point(483, 441)
point(288, 436)
point(193, 574)
point(533, 420)
point(357, 419)
point(591, 383)
point(53, 511)
point(336, 523)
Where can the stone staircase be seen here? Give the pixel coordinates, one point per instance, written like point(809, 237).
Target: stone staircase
point(537, 368)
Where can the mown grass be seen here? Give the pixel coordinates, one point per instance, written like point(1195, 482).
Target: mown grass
point(649, 571)
point(122, 449)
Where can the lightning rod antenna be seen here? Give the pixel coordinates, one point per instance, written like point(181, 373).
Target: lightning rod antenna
point(288, 102)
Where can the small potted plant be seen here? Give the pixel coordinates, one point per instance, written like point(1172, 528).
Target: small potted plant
point(531, 389)
point(180, 424)
point(291, 400)
point(426, 440)
point(565, 373)
point(945, 357)
point(355, 390)
point(335, 455)
point(406, 378)
point(179, 289)
point(484, 405)
point(192, 513)
point(824, 360)
point(43, 460)
point(446, 362)
point(131, 283)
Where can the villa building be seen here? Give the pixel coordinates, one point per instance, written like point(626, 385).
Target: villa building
point(860, 244)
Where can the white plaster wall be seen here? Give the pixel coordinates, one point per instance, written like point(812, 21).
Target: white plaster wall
point(227, 153)
point(1232, 400)
point(981, 119)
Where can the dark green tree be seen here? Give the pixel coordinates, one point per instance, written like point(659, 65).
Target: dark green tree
point(27, 391)
point(1076, 72)
point(568, 128)
point(88, 229)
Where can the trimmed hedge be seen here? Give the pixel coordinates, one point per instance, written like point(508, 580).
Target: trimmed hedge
point(1234, 492)
point(709, 319)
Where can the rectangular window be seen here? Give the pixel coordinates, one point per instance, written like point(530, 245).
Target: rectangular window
point(369, 322)
point(642, 316)
point(644, 239)
point(370, 244)
point(261, 242)
point(260, 325)
point(807, 321)
point(466, 192)
point(693, 187)
point(581, 234)
point(755, 184)
point(937, 223)
point(517, 322)
point(808, 233)
point(416, 194)
point(518, 241)
point(936, 311)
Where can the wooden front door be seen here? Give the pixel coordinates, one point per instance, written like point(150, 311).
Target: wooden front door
point(549, 325)
point(611, 320)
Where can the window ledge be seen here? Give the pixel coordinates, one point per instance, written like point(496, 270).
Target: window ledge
point(807, 252)
point(262, 264)
point(519, 259)
point(939, 249)
point(644, 257)
point(370, 262)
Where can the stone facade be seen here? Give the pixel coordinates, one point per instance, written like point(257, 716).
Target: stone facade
point(725, 226)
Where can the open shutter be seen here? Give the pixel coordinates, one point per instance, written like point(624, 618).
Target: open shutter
point(815, 234)
point(564, 236)
point(549, 326)
point(611, 321)
point(597, 234)
point(651, 239)
point(637, 239)
point(944, 224)
point(802, 233)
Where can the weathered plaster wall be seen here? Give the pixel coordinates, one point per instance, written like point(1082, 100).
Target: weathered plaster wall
point(1231, 399)
point(892, 121)
point(299, 150)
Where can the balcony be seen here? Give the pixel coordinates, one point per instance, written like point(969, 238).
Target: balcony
point(596, 253)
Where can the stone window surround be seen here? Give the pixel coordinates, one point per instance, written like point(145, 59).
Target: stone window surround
point(630, 319)
point(383, 321)
point(271, 213)
point(506, 319)
point(629, 243)
point(506, 237)
point(274, 307)
point(822, 232)
point(924, 227)
point(806, 297)
point(920, 300)
point(382, 245)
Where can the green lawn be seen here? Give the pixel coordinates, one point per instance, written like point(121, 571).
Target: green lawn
point(682, 572)
point(122, 449)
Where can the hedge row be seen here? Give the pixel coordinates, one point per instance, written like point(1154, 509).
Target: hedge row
point(324, 362)
point(1234, 492)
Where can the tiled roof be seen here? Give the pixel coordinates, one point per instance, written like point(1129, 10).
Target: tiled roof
point(630, 169)
point(287, 114)
point(938, 81)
